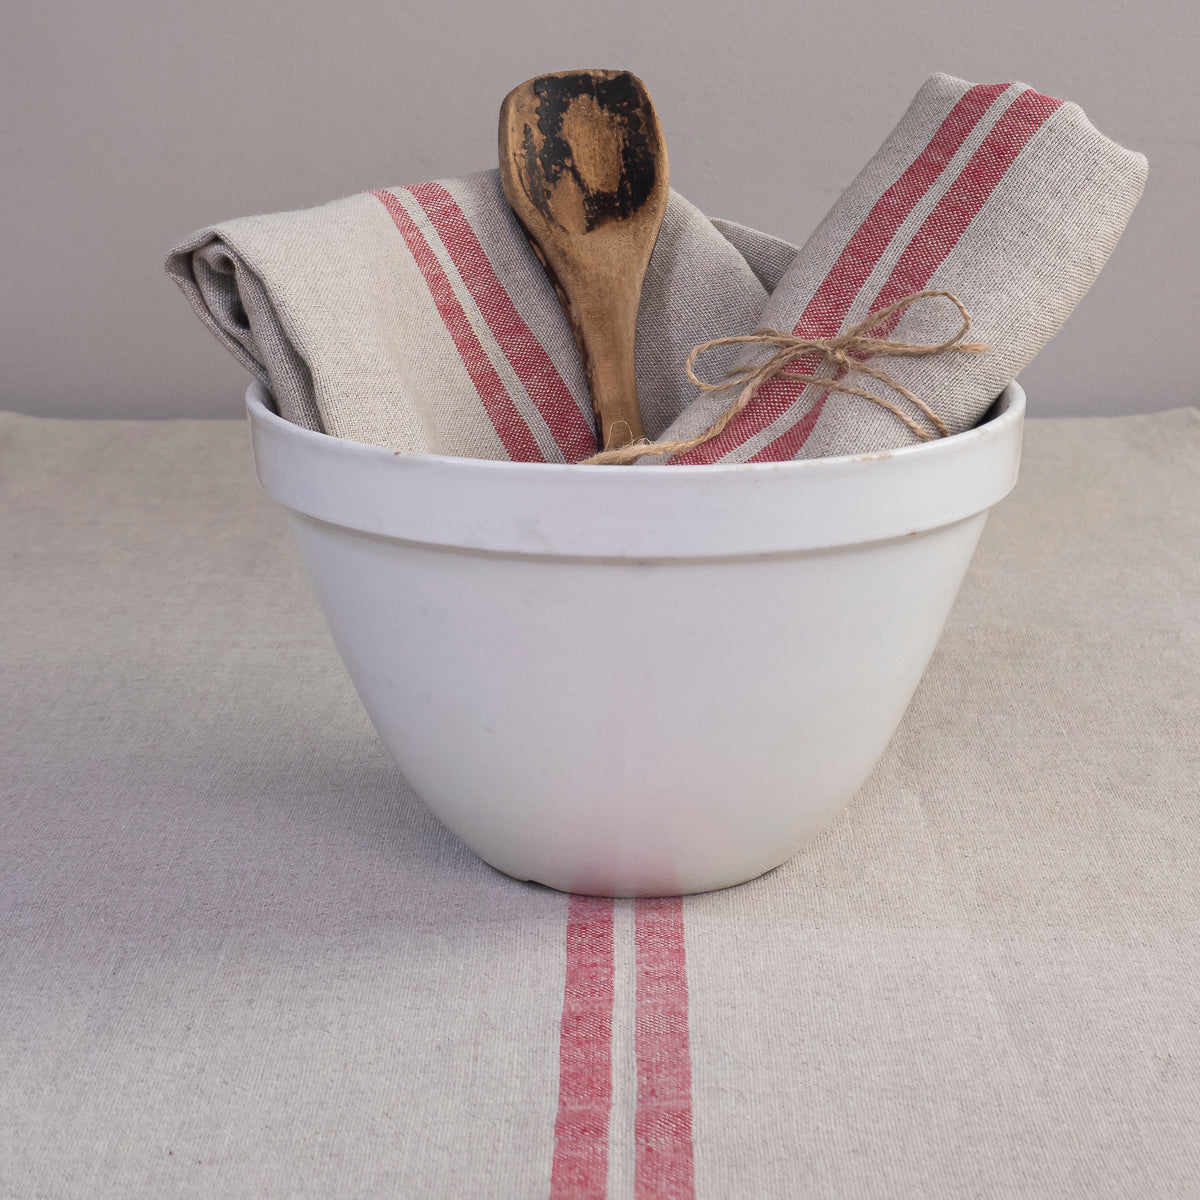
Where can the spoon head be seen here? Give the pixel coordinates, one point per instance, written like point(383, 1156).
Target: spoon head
point(582, 155)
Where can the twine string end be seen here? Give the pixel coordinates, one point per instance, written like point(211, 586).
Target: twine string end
point(844, 354)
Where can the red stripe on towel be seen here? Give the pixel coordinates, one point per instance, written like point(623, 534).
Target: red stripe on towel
point(954, 212)
point(663, 1124)
point(540, 378)
point(826, 311)
point(580, 1167)
point(513, 432)
point(940, 232)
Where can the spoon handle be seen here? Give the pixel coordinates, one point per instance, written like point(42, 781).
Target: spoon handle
point(605, 327)
point(607, 351)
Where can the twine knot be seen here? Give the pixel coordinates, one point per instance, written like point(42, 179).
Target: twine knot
point(843, 354)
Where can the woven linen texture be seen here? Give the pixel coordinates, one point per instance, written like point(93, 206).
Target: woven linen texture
point(1007, 198)
point(419, 318)
point(242, 961)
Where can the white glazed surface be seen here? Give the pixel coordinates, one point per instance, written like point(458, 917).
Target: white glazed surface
point(639, 680)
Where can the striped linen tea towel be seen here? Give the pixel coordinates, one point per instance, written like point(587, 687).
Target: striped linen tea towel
point(418, 318)
point(1007, 198)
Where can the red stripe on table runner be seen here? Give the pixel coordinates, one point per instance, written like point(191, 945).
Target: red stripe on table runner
point(825, 313)
point(539, 376)
point(941, 230)
point(580, 1166)
point(510, 427)
point(663, 1124)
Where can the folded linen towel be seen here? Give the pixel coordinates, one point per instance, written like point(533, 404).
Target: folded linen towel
point(418, 318)
point(1007, 198)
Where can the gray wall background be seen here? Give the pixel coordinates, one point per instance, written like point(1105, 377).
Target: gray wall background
point(126, 124)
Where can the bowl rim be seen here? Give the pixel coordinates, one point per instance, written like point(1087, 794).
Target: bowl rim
point(556, 510)
point(1007, 409)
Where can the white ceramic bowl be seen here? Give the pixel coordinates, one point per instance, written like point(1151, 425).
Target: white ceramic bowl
point(636, 680)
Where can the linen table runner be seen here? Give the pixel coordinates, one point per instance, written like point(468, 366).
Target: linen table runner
point(242, 960)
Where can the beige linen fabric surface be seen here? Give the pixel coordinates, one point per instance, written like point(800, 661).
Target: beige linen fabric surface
point(419, 318)
point(1009, 199)
point(240, 960)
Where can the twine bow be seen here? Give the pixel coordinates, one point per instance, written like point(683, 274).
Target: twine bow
point(843, 354)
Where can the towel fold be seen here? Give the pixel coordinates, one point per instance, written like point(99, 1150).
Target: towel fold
point(418, 317)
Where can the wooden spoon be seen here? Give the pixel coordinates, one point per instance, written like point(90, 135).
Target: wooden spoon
point(584, 167)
